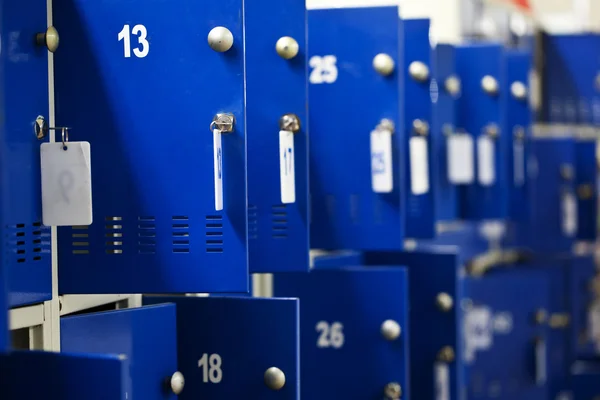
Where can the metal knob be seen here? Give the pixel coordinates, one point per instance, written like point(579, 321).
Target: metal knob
point(446, 354)
point(384, 64)
point(274, 378)
point(418, 71)
point(390, 330)
point(453, 85)
point(177, 382)
point(444, 302)
point(421, 127)
point(49, 39)
point(518, 90)
point(392, 391)
point(289, 122)
point(220, 39)
point(224, 122)
point(489, 84)
point(287, 47)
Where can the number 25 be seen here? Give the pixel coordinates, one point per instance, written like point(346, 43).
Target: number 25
point(142, 34)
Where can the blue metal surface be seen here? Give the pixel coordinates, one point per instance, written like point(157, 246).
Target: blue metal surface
point(24, 74)
point(581, 273)
point(277, 233)
point(586, 181)
point(476, 111)
point(344, 354)
point(444, 117)
point(249, 336)
point(415, 104)
point(36, 375)
point(585, 381)
point(146, 336)
point(147, 119)
point(518, 127)
point(3, 312)
point(345, 212)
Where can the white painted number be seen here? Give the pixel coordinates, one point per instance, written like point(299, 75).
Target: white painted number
point(142, 35)
point(324, 69)
point(211, 368)
point(332, 335)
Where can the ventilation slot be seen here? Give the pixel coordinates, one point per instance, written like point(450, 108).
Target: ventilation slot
point(114, 235)
point(146, 235)
point(16, 242)
point(40, 240)
point(214, 234)
point(252, 222)
point(280, 222)
point(80, 240)
point(181, 234)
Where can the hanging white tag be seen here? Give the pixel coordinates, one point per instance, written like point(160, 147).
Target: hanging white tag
point(287, 170)
point(519, 162)
point(569, 214)
point(66, 184)
point(218, 169)
point(442, 381)
point(461, 167)
point(419, 165)
point(486, 169)
point(382, 178)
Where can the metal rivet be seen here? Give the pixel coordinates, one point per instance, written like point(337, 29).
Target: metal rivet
point(585, 191)
point(177, 382)
point(446, 354)
point(567, 172)
point(50, 39)
point(518, 90)
point(489, 84)
point(384, 64)
point(540, 316)
point(220, 39)
point(274, 378)
point(418, 71)
point(444, 301)
point(390, 330)
point(453, 85)
point(287, 47)
point(421, 127)
point(290, 122)
point(392, 391)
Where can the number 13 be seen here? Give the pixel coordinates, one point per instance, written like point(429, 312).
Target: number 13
point(142, 34)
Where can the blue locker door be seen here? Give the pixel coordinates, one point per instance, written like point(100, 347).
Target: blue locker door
point(227, 345)
point(277, 172)
point(481, 114)
point(37, 375)
point(146, 337)
point(24, 74)
point(343, 315)
point(143, 91)
point(349, 100)
point(505, 349)
point(416, 121)
point(586, 181)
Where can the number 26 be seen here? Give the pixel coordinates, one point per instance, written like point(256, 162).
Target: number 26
point(142, 34)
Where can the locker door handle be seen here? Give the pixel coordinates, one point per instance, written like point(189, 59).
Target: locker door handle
point(289, 124)
point(222, 123)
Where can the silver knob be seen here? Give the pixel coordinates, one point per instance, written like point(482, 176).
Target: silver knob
point(220, 39)
point(177, 382)
point(390, 330)
point(384, 64)
point(421, 127)
point(518, 90)
point(289, 122)
point(274, 378)
point(50, 39)
point(444, 302)
point(418, 71)
point(489, 84)
point(453, 85)
point(393, 391)
point(224, 122)
point(287, 47)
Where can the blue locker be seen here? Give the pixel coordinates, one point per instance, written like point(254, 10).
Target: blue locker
point(146, 336)
point(38, 375)
point(356, 196)
point(144, 92)
point(227, 345)
point(416, 121)
point(277, 99)
point(344, 318)
point(481, 114)
point(24, 71)
point(444, 119)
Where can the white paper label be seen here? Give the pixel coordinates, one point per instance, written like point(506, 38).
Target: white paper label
point(478, 331)
point(442, 381)
point(540, 362)
point(382, 178)
point(66, 184)
point(419, 165)
point(486, 169)
point(461, 167)
point(218, 169)
point(569, 214)
point(287, 170)
point(519, 163)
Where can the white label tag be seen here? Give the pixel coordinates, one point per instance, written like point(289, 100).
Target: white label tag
point(569, 214)
point(66, 184)
point(442, 381)
point(486, 169)
point(519, 163)
point(478, 331)
point(540, 362)
point(382, 178)
point(460, 156)
point(218, 168)
point(419, 165)
point(287, 170)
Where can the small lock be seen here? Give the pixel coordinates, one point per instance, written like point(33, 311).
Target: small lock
point(290, 123)
point(41, 128)
point(492, 130)
point(224, 122)
point(421, 127)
